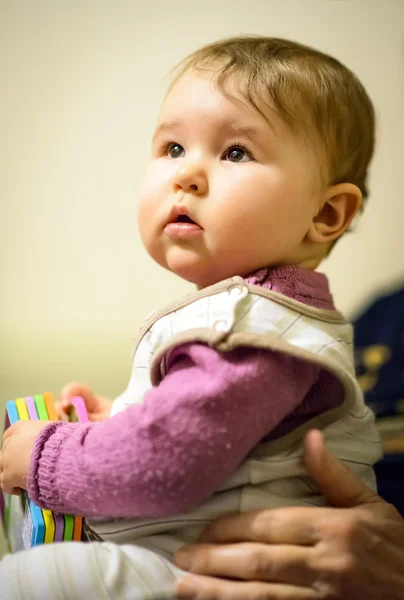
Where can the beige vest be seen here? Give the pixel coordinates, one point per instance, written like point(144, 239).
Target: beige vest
point(225, 316)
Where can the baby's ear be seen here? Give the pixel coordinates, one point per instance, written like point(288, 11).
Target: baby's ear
point(341, 202)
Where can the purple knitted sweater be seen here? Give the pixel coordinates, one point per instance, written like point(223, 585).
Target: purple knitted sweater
point(170, 453)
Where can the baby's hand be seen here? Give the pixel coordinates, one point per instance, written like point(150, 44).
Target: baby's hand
point(98, 407)
point(15, 456)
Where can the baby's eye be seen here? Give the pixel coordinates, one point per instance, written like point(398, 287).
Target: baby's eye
point(237, 154)
point(175, 150)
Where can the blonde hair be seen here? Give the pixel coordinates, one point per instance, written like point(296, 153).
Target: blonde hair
point(313, 93)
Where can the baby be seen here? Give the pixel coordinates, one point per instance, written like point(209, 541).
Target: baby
point(259, 165)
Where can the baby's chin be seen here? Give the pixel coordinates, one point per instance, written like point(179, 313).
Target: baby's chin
point(199, 267)
point(199, 277)
point(199, 272)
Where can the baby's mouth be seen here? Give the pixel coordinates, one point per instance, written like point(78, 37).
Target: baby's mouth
point(185, 219)
point(182, 226)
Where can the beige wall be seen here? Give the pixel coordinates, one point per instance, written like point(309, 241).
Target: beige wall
point(81, 82)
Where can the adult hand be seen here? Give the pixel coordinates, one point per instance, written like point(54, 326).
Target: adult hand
point(355, 551)
point(98, 407)
point(15, 456)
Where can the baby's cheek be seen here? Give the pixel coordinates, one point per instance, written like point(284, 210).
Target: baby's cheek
point(145, 225)
point(146, 211)
point(151, 233)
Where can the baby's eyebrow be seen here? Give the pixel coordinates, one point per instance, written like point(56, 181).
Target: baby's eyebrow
point(254, 134)
point(161, 127)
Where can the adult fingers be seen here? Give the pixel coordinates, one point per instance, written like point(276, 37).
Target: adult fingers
point(209, 588)
point(250, 561)
point(335, 480)
point(295, 525)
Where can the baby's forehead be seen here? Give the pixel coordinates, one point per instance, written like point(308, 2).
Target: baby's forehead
point(231, 87)
point(199, 94)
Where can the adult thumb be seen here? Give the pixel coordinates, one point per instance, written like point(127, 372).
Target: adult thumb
point(336, 481)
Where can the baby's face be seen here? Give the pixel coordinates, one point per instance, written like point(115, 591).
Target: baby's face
point(225, 192)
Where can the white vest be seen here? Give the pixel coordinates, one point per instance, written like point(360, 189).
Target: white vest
point(225, 316)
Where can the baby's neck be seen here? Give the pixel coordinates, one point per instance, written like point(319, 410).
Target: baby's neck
point(305, 285)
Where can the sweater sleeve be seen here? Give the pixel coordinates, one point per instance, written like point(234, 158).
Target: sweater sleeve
point(173, 451)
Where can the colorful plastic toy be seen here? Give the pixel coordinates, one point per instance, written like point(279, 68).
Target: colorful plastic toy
point(25, 524)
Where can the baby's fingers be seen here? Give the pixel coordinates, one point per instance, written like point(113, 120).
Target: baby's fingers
point(4, 487)
point(73, 389)
point(62, 410)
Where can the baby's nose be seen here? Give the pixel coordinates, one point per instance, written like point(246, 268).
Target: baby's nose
point(191, 179)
